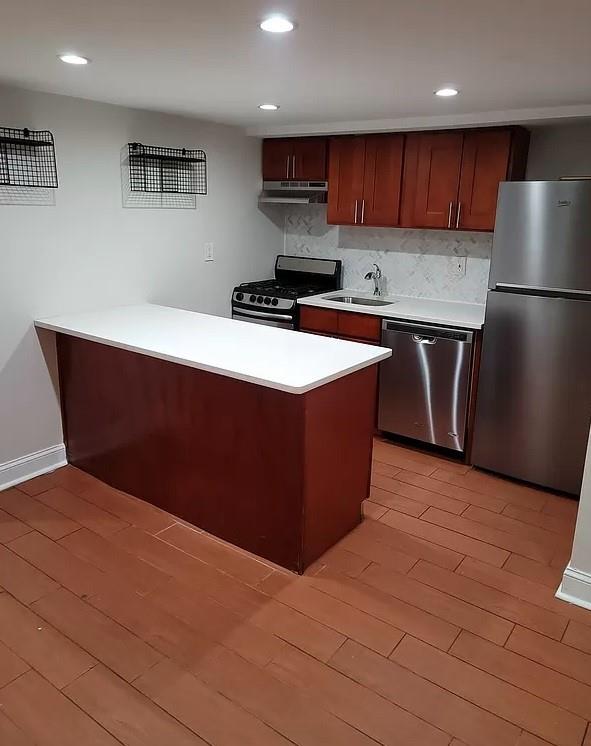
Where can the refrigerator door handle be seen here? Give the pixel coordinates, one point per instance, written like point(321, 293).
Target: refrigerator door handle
point(541, 290)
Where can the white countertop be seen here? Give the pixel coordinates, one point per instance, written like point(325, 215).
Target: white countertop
point(276, 358)
point(451, 313)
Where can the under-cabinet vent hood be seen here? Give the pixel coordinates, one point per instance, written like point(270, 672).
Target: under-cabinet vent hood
point(294, 192)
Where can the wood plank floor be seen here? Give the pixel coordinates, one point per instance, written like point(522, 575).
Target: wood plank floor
point(434, 622)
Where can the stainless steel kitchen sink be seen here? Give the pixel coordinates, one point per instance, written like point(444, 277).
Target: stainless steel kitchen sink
point(359, 301)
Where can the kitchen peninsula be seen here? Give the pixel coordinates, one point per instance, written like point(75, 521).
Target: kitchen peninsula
point(260, 436)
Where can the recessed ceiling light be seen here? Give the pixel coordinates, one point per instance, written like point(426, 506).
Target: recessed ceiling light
point(277, 24)
point(446, 92)
point(74, 59)
point(268, 107)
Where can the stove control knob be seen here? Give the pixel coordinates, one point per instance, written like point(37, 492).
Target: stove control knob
point(268, 301)
point(274, 301)
point(253, 298)
point(260, 299)
point(239, 296)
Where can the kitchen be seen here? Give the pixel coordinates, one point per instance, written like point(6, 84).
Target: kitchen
point(443, 549)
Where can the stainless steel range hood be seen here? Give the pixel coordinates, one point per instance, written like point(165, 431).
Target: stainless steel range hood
point(294, 192)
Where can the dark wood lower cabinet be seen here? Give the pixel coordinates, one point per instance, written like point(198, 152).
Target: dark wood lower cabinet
point(323, 320)
point(356, 327)
point(281, 475)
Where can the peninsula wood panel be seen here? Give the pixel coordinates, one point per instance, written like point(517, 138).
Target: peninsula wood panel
point(244, 462)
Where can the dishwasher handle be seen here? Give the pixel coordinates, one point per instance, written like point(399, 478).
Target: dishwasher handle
point(420, 340)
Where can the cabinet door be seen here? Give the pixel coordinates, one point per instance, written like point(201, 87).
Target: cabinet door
point(382, 180)
point(277, 159)
point(431, 179)
point(359, 326)
point(484, 166)
point(321, 320)
point(309, 158)
point(345, 180)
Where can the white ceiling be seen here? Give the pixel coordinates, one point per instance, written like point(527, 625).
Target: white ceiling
point(347, 60)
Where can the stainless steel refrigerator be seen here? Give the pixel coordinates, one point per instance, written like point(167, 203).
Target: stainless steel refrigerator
point(533, 406)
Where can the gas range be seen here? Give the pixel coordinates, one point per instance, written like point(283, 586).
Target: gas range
point(274, 302)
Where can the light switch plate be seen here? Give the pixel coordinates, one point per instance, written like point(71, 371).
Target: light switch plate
point(460, 266)
point(208, 255)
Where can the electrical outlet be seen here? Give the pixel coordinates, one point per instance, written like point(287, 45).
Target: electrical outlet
point(208, 256)
point(460, 266)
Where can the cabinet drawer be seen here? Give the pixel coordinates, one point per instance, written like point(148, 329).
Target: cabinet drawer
point(359, 325)
point(319, 319)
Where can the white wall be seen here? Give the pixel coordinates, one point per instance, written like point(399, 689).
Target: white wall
point(576, 582)
point(87, 251)
point(557, 151)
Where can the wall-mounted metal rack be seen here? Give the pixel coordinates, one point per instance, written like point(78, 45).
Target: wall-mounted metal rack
point(166, 170)
point(27, 158)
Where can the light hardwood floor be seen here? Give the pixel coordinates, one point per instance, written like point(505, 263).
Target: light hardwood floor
point(434, 622)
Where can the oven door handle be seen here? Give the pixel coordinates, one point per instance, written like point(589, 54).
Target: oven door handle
point(262, 314)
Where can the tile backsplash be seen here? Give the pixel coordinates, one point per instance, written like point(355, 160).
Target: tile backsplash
point(418, 263)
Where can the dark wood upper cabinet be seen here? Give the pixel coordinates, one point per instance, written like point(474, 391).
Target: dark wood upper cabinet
point(364, 180)
point(277, 159)
point(382, 180)
point(431, 179)
point(346, 164)
point(485, 163)
point(445, 179)
point(310, 158)
point(451, 179)
point(301, 158)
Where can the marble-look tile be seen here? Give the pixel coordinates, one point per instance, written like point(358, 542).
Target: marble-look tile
point(414, 262)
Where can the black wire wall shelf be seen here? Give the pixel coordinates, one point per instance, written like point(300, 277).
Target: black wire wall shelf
point(166, 170)
point(27, 158)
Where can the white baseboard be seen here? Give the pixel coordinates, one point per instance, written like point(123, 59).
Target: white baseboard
point(575, 587)
point(20, 469)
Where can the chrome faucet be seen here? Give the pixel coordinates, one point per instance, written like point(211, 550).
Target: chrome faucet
point(376, 276)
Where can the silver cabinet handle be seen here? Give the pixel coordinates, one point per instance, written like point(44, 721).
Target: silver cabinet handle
point(423, 340)
point(458, 215)
point(287, 170)
point(362, 211)
point(293, 166)
point(451, 207)
point(356, 212)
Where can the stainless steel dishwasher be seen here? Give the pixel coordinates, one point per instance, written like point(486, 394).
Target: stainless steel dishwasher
point(424, 386)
